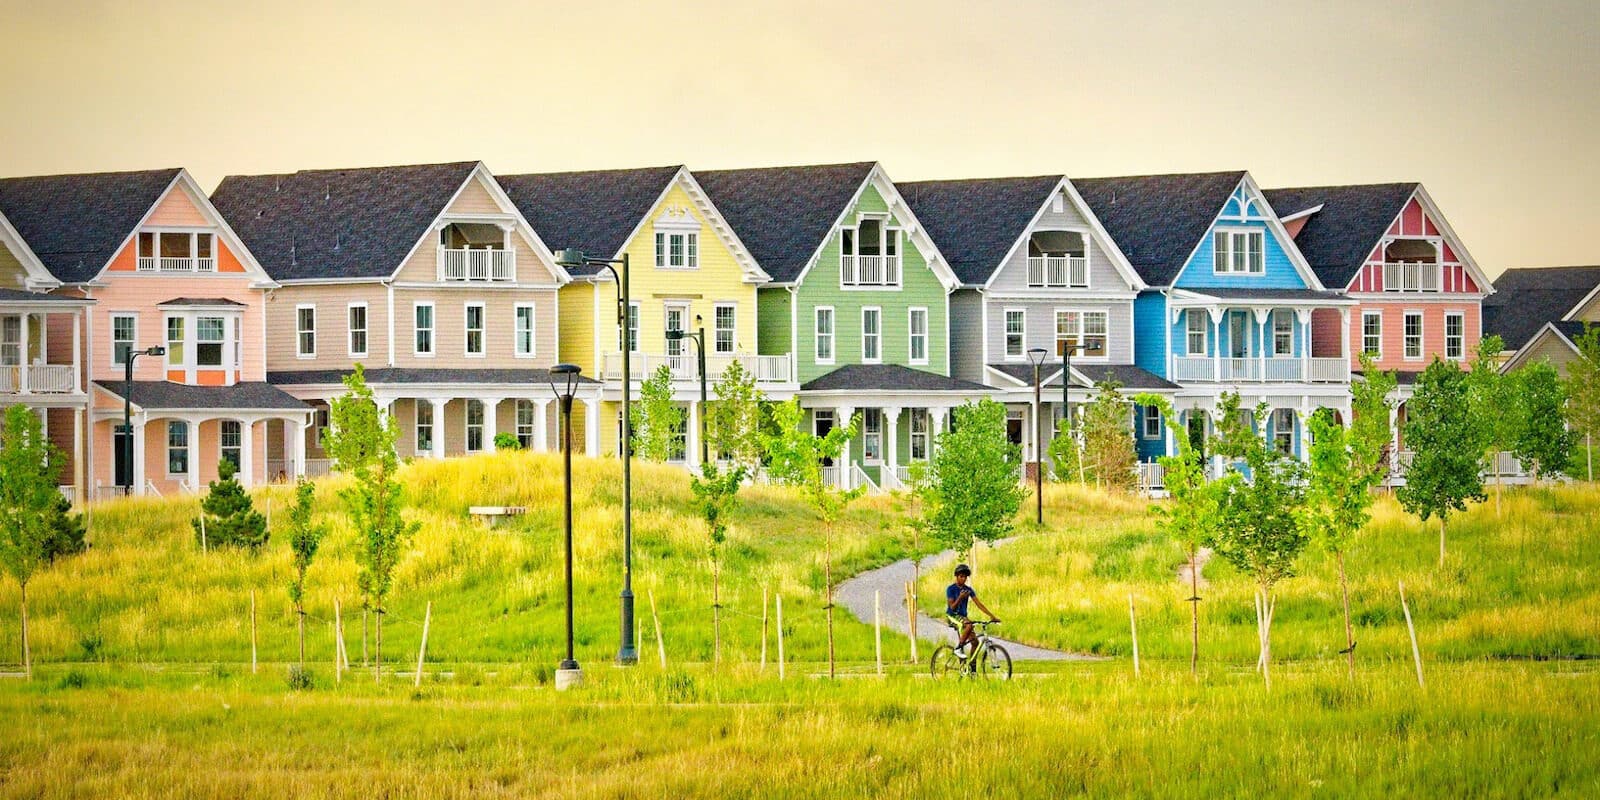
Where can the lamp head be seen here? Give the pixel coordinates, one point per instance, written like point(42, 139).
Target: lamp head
point(674, 336)
point(570, 257)
point(564, 380)
point(1037, 355)
point(157, 350)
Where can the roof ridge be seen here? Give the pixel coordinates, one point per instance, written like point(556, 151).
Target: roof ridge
point(106, 174)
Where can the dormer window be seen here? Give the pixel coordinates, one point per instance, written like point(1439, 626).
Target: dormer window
point(177, 251)
point(476, 251)
point(869, 254)
point(1058, 259)
point(1239, 252)
point(1411, 265)
point(677, 250)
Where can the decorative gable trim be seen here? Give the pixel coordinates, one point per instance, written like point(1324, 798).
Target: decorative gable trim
point(1097, 230)
point(753, 273)
point(481, 174)
point(1576, 313)
point(39, 277)
point(898, 208)
point(1485, 286)
point(1254, 198)
point(184, 181)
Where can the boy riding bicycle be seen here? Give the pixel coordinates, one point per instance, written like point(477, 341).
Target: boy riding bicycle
point(956, 597)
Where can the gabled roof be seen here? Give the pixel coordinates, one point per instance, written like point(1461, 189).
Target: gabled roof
point(338, 223)
point(783, 214)
point(1087, 375)
point(1337, 239)
point(889, 378)
point(1527, 298)
point(1157, 220)
point(1566, 333)
point(595, 211)
point(163, 395)
point(75, 224)
point(976, 222)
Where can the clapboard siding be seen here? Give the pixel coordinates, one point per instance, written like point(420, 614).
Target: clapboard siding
point(1040, 329)
point(966, 335)
point(1433, 314)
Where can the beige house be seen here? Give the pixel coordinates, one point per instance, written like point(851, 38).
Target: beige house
point(430, 278)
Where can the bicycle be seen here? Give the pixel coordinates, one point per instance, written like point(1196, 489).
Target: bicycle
point(987, 659)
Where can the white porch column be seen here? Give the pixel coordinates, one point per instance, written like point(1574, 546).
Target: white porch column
point(138, 451)
point(194, 455)
point(80, 469)
point(1216, 343)
point(846, 472)
point(77, 352)
point(691, 454)
point(247, 453)
point(1303, 420)
point(891, 446)
point(438, 403)
point(490, 422)
point(1344, 334)
point(1263, 323)
point(936, 417)
point(591, 425)
point(1394, 439)
point(1303, 316)
point(297, 429)
point(541, 430)
point(24, 362)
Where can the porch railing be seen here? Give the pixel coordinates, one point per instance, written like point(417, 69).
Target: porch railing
point(1152, 476)
point(178, 264)
point(869, 270)
point(1289, 369)
point(1412, 277)
point(38, 379)
point(477, 265)
point(767, 369)
point(1058, 271)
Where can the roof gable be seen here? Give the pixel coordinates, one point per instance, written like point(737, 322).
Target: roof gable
point(1352, 219)
point(75, 224)
point(36, 276)
point(596, 211)
point(1157, 221)
point(1527, 298)
point(977, 222)
point(784, 215)
point(1247, 209)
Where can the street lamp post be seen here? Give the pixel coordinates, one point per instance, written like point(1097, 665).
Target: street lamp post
point(564, 382)
point(127, 410)
point(1036, 356)
point(699, 339)
point(627, 654)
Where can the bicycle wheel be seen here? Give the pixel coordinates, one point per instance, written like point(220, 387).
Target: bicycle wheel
point(944, 662)
point(996, 663)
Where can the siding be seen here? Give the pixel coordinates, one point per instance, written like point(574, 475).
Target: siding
point(1150, 347)
point(12, 273)
point(1546, 347)
point(141, 294)
point(578, 322)
point(1103, 276)
point(1279, 273)
point(332, 325)
point(966, 336)
point(1433, 313)
point(1041, 327)
point(774, 326)
point(423, 265)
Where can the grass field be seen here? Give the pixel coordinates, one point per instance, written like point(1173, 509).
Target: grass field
point(145, 689)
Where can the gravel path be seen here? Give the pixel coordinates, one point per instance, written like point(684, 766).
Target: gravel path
point(856, 595)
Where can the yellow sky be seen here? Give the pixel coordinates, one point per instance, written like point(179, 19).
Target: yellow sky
point(1494, 108)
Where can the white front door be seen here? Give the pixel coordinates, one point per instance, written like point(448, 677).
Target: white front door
point(677, 317)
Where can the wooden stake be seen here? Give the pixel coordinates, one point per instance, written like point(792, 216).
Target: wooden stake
point(780, 636)
point(422, 651)
point(911, 614)
point(203, 547)
point(877, 626)
point(1416, 654)
point(764, 591)
point(269, 513)
point(661, 647)
point(1133, 626)
point(340, 660)
point(252, 630)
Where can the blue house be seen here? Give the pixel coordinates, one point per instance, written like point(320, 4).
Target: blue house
point(1229, 304)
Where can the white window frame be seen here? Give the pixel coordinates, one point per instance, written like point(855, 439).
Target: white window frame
point(820, 414)
point(633, 329)
point(1377, 352)
point(1021, 333)
point(518, 333)
point(527, 431)
point(466, 417)
point(1461, 337)
point(132, 341)
point(1190, 317)
point(1223, 259)
point(1151, 427)
point(717, 330)
point(188, 441)
point(321, 419)
point(876, 336)
point(871, 437)
point(182, 352)
point(300, 331)
point(1282, 318)
point(831, 336)
point(223, 446)
point(1405, 335)
point(350, 329)
point(912, 336)
point(687, 254)
point(418, 425)
point(1082, 353)
point(482, 330)
point(221, 343)
point(1280, 432)
point(432, 329)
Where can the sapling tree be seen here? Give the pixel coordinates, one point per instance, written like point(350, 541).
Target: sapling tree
point(228, 517)
point(714, 492)
point(1108, 449)
point(1193, 509)
point(796, 457)
point(362, 447)
point(733, 421)
point(973, 493)
point(1066, 454)
point(29, 467)
point(1543, 442)
point(657, 418)
point(305, 536)
point(1444, 472)
point(1583, 392)
point(1492, 406)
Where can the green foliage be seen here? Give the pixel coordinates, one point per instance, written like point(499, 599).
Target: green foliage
point(795, 455)
point(1108, 449)
point(1260, 534)
point(1583, 392)
point(305, 536)
point(656, 418)
point(1371, 433)
point(29, 465)
point(507, 441)
point(1346, 465)
point(229, 517)
point(734, 419)
point(1441, 432)
point(1064, 452)
point(1543, 442)
point(974, 493)
point(714, 493)
point(1235, 438)
point(1492, 402)
point(66, 531)
point(1194, 510)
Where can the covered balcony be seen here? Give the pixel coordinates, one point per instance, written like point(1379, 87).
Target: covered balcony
point(476, 252)
point(1256, 336)
point(40, 345)
point(1058, 259)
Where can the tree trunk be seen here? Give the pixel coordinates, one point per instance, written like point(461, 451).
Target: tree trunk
point(301, 613)
point(716, 614)
point(1194, 613)
point(1349, 640)
point(1441, 541)
point(377, 647)
point(827, 581)
point(27, 652)
point(365, 613)
point(1268, 607)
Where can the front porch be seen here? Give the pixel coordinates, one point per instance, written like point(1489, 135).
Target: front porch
point(1256, 336)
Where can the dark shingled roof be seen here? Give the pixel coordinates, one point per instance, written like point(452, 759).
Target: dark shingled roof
point(1128, 375)
point(1156, 220)
point(250, 395)
point(1338, 239)
point(201, 301)
point(21, 296)
point(891, 378)
point(974, 223)
point(75, 223)
point(337, 223)
point(1525, 299)
point(391, 375)
point(592, 211)
point(1246, 293)
point(783, 214)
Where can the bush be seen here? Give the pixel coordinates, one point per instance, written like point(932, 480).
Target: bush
point(507, 441)
point(228, 518)
point(301, 678)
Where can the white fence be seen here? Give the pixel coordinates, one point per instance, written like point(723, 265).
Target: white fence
point(181, 264)
point(477, 265)
point(1058, 271)
point(869, 270)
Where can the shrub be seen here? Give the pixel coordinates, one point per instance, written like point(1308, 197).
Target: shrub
point(507, 441)
point(228, 517)
point(301, 678)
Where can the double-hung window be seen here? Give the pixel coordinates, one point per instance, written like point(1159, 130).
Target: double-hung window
point(1238, 252)
point(1372, 333)
point(1413, 335)
point(175, 342)
point(474, 425)
point(177, 447)
point(824, 332)
point(305, 330)
point(422, 328)
point(424, 426)
point(474, 321)
point(918, 335)
point(1455, 335)
point(1016, 326)
point(11, 340)
point(1152, 422)
point(1282, 333)
point(523, 333)
point(724, 317)
point(633, 329)
point(124, 330)
point(1082, 333)
point(210, 333)
point(1198, 329)
point(526, 420)
point(872, 434)
point(677, 250)
point(871, 335)
point(919, 434)
point(357, 314)
point(231, 442)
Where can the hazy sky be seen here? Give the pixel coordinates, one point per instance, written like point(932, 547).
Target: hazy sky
point(1493, 106)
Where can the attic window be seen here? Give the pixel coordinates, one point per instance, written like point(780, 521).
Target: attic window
point(176, 251)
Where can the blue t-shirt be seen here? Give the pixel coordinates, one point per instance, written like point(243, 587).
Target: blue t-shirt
point(953, 592)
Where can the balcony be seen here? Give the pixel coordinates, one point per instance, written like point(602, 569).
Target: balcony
point(1292, 369)
point(767, 369)
point(1412, 277)
point(19, 379)
point(477, 265)
point(869, 270)
point(177, 264)
point(1060, 271)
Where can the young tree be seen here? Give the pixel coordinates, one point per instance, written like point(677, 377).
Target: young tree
point(1583, 392)
point(1444, 472)
point(228, 518)
point(362, 447)
point(1066, 455)
point(657, 418)
point(305, 536)
point(1260, 534)
point(714, 492)
point(1108, 449)
point(973, 493)
point(1492, 407)
point(29, 466)
point(733, 421)
point(66, 531)
point(1543, 442)
point(796, 456)
point(1193, 509)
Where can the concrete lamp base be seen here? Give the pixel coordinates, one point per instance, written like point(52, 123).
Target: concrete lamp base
point(568, 678)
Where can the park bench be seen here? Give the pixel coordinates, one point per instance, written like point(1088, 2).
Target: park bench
point(494, 515)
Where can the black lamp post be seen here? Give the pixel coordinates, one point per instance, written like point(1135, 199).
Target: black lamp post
point(1036, 356)
point(699, 339)
point(627, 654)
point(564, 382)
point(127, 409)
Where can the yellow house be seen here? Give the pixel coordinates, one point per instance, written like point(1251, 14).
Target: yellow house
point(688, 272)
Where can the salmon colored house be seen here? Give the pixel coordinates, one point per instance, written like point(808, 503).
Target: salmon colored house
point(139, 260)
